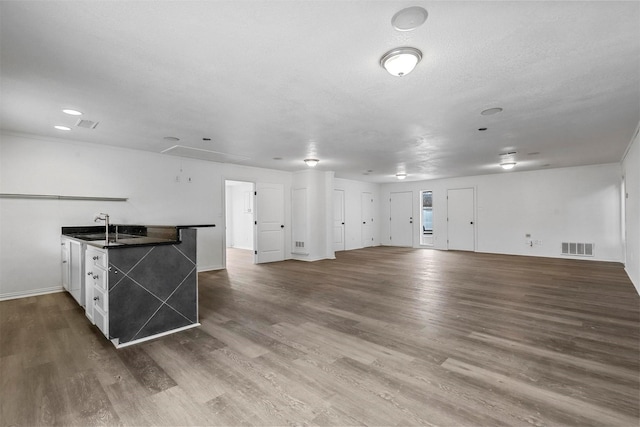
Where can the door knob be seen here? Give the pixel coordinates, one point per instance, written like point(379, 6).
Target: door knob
point(343, 223)
point(282, 226)
point(471, 223)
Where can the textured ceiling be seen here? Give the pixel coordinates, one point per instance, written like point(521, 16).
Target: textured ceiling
point(298, 79)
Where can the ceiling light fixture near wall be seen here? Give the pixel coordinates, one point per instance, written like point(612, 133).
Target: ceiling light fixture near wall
point(409, 19)
point(311, 162)
point(171, 138)
point(401, 176)
point(508, 165)
point(507, 160)
point(72, 112)
point(62, 127)
point(401, 61)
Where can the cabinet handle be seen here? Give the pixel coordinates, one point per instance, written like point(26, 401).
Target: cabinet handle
point(96, 276)
point(96, 298)
point(90, 273)
point(95, 258)
point(64, 262)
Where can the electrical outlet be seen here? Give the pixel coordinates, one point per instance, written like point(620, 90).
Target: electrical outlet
point(177, 178)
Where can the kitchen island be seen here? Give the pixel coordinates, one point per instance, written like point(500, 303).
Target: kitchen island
point(138, 282)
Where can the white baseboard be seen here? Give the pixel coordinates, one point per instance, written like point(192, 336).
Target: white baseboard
point(203, 268)
point(33, 293)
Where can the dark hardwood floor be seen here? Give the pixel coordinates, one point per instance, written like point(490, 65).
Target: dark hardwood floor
point(379, 336)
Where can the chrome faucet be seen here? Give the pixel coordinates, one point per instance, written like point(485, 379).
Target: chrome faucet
point(104, 217)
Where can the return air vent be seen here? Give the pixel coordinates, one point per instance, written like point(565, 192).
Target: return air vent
point(299, 244)
point(578, 249)
point(202, 154)
point(87, 124)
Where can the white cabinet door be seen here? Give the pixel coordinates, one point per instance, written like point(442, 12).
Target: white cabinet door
point(461, 219)
point(76, 285)
point(64, 254)
point(401, 219)
point(270, 222)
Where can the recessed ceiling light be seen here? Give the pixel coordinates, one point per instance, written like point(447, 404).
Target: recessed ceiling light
point(72, 112)
point(62, 127)
point(482, 129)
point(311, 162)
point(491, 111)
point(401, 175)
point(409, 19)
point(401, 61)
point(171, 138)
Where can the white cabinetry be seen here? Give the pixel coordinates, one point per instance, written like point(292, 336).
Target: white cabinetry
point(72, 254)
point(97, 293)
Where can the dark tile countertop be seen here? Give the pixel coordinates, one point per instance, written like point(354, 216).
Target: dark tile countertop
point(126, 236)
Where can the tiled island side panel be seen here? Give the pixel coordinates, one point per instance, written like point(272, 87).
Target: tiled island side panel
point(153, 289)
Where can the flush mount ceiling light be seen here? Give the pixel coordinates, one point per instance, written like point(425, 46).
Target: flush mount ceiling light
point(508, 160)
point(401, 61)
point(62, 127)
point(72, 112)
point(401, 175)
point(409, 19)
point(171, 138)
point(491, 111)
point(311, 162)
point(508, 165)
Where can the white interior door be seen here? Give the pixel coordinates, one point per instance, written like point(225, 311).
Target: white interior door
point(461, 219)
point(401, 219)
point(270, 223)
point(367, 219)
point(338, 220)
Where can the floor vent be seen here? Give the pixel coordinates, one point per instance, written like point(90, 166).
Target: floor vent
point(578, 249)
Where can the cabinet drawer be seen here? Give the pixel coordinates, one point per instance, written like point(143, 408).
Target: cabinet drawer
point(100, 278)
point(100, 299)
point(98, 258)
point(101, 320)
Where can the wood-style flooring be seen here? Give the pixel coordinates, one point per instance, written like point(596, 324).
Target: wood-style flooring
point(379, 336)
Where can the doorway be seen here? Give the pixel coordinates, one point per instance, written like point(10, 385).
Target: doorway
point(461, 219)
point(240, 219)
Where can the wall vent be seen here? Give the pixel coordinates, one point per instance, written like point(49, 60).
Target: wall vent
point(578, 249)
point(299, 244)
point(88, 124)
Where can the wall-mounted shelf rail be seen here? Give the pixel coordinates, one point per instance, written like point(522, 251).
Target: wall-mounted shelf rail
point(57, 197)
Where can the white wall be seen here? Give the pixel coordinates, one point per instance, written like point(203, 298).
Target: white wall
point(312, 214)
point(579, 204)
point(30, 229)
point(353, 210)
point(239, 215)
point(631, 171)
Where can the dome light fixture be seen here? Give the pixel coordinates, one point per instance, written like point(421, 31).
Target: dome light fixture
point(311, 162)
point(508, 165)
point(401, 176)
point(401, 61)
point(60, 127)
point(72, 112)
